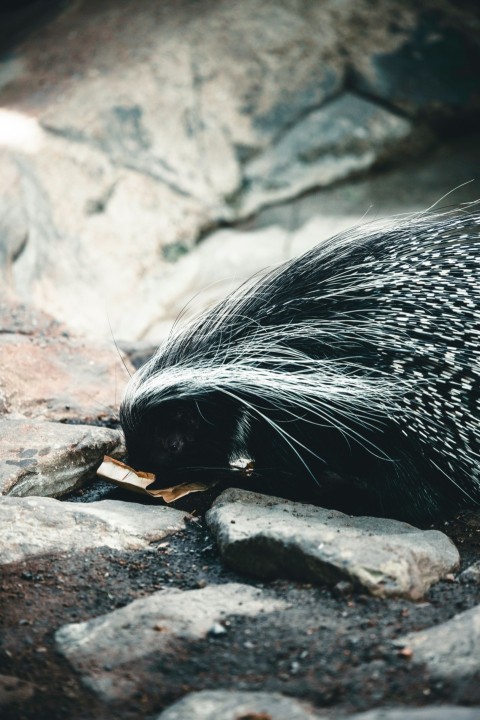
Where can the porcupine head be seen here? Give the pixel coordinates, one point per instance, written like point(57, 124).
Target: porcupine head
point(179, 438)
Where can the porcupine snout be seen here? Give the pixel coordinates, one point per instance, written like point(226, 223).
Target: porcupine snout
point(178, 438)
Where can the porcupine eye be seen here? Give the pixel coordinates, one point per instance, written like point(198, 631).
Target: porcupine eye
point(174, 445)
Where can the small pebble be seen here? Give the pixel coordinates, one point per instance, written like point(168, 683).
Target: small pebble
point(217, 629)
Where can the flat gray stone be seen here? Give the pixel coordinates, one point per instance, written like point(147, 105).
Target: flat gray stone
point(347, 135)
point(40, 526)
point(435, 712)
point(237, 705)
point(234, 705)
point(450, 650)
point(53, 376)
point(471, 573)
point(113, 653)
point(46, 458)
point(271, 537)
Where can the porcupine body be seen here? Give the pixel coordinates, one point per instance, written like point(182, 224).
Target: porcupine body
point(354, 368)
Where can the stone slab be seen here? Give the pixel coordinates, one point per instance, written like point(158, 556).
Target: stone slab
point(450, 650)
point(115, 653)
point(35, 526)
point(46, 458)
point(271, 537)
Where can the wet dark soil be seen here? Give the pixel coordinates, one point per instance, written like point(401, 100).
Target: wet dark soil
point(332, 647)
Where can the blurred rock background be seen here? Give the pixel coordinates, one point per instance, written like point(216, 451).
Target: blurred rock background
point(163, 150)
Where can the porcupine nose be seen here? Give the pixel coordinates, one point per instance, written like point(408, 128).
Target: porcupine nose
point(174, 445)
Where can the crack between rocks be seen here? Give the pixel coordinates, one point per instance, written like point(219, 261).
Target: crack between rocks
point(306, 112)
point(17, 254)
point(234, 198)
point(351, 87)
point(25, 333)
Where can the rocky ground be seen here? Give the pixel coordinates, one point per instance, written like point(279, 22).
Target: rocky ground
point(125, 609)
point(235, 604)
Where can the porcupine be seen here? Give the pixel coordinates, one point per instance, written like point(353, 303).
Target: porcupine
point(353, 368)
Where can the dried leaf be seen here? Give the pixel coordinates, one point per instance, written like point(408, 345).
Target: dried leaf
point(139, 481)
point(123, 475)
point(178, 491)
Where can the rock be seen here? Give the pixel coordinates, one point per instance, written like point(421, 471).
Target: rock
point(346, 136)
point(41, 526)
point(23, 319)
point(234, 705)
point(436, 712)
point(186, 121)
point(129, 639)
point(471, 573)
point(450, 650)
point(410, 188)
point(238, 705)
point(43, 458)
point(153, 163)
point(427, 71)
point(270, 537)
point(138, 352)
point(48, 373)
point(226, 258)
point(13, 691)
point(13, 221)
point(218, 266)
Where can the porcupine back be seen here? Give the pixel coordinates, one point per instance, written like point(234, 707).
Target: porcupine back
point(359, 359)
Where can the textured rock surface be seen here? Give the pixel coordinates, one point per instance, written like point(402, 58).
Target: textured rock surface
point(58, 380)
point(218, 266)
point(128, 132)
point(341, 139)
point(271, 537)
point(44, 458)
point(234, 705)
point(47, 372)
point(437, 712)
point(471, 573)
point(231, 705)
point(450, 650)
point(228, 257)
point(14, 691)
point(168, 121)
point(41, 526)
point(114, 653)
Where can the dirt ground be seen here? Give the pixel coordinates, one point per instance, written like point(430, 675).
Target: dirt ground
point(330, 647)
